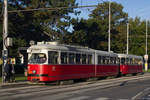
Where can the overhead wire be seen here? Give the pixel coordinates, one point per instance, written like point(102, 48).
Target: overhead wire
point(53, 9)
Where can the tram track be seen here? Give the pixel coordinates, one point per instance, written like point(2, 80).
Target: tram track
point(102, 82)
point(52, 90)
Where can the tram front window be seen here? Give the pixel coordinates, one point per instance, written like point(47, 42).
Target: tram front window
point(37, 58)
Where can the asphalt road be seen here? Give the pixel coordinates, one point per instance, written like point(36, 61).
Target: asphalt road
point(124, 91)
point(138, 90)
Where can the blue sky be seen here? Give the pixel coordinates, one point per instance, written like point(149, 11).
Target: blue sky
point(140, 8)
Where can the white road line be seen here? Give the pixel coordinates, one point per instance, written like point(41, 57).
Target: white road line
point(133, 98)
point(102, 98)
point(147, 89)
point(80, 98)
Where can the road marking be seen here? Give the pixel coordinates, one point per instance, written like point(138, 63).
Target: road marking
point(146, 89)
point(133, 98)
point(102, 98)
point(80, 98)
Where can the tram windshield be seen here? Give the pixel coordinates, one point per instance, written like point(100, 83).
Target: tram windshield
point(37, 58)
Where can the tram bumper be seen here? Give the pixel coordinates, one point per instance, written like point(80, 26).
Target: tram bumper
point(38, 77)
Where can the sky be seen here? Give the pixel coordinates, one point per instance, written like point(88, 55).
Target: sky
point(140, 8)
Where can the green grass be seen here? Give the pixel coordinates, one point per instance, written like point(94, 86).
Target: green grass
point(147, 71)
point(17, 78)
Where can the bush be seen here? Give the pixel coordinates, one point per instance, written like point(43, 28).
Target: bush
point(0, 70)
point(19, 68)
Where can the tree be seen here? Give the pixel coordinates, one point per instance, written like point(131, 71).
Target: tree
point(137, 36)
point(45, 24)
point(41, 25)
point(94, 31)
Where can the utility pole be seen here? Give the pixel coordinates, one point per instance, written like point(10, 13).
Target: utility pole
point(5, 34)
point(109, 26)
point(127, 38)
point(146, 35)
point(146, 55)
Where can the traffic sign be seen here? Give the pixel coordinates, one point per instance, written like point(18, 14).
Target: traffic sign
point(146, 57)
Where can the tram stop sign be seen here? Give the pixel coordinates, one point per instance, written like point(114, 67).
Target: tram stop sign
point(146, 57)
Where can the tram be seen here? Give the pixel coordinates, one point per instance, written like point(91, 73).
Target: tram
point(130, 64)
point(50, 62)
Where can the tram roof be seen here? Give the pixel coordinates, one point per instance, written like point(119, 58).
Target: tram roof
point(64, 47)
point(59, 47)
point(129, 56)
point(105, 53)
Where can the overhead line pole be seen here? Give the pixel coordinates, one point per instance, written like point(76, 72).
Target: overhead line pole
point(127, 38)
point(5, 34)
point(146, 36)
point(109, 26)
point(146, 56)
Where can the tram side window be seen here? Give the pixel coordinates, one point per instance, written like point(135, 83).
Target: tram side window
point(115, 60)
point(99, 59)
point(119, 61)
point(71, 58)
point(89, 59)
point(127, 61)
point(140, 62)
point(107, 60)
point(78, 58)
point(136, 61)
point(123, 61)
point(64, 58)
point(111, 60)
point(131, 61)
point(53, 57)
point(83, 59)
point(103, 59)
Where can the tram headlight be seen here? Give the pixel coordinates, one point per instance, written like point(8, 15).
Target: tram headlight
point(34, 71)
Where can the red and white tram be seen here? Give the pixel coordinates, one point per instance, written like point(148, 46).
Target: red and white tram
point(53, 62)
point(130, 64)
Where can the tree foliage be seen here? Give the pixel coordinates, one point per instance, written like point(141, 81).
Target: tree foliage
point(138, 36)
point(37, 25)
point(93, 32)
point(49, 25)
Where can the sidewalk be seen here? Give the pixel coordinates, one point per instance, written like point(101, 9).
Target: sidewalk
point(21, 83)
point(14, 84)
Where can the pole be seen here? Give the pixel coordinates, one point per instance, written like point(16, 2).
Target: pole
point(127, 37)
point(146, 56)
point(146, 36)
point(5, 34)
point(109, 26)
